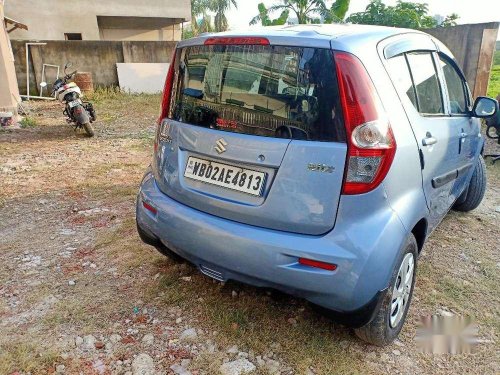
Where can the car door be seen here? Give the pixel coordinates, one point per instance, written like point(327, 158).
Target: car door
point(418, 82)
point(459, 102)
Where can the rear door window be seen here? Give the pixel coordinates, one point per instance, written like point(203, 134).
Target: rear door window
point(401, 77)
point(426, 82)
point(272, 91)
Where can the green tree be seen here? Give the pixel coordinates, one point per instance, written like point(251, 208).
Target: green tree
point(403, 14)
point(337, 11)
point(201, 21)
point(220, 7)
point(306, 11)
point(450, 20)
point(264, 18)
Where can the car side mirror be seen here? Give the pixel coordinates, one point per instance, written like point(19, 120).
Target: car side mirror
point(484, 107)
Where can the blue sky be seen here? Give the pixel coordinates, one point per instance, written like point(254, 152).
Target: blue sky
point(469, 11)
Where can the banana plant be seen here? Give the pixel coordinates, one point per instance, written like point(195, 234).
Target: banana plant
point(265, 20)
point(336, 13)
point(306, 11)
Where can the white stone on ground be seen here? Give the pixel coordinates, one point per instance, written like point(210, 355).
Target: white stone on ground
point(78, 341)
point(114, 338)
point(179, 370)
point(88, 342)
point(143, 364)
point(188, 335)
point(238, 367)
point(272, 366)
point(148, 340)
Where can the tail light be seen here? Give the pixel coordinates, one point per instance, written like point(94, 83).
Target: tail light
point(167, 90)
point(167, 97)
point(370, 141)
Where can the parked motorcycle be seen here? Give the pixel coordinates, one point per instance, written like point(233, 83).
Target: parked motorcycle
point(80, 114)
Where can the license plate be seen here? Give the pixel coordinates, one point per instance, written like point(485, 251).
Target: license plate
point(74, 103)
point(224, 175)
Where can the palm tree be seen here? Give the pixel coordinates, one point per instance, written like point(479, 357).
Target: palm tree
point(220, 7)
point(201, 22)
point(304, 10)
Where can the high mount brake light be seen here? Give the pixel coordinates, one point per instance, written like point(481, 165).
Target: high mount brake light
point(370, 141)
point(236, 40)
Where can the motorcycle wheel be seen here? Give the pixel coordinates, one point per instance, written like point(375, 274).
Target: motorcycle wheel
point(82, 119)
point(88, 129)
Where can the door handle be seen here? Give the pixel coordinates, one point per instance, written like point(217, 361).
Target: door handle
point(429, 140)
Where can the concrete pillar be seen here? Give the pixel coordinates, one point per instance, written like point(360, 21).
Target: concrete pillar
point(9, 92)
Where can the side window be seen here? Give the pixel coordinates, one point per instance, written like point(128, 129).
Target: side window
point(400, 74)
point(456, 87)
point(425, 80)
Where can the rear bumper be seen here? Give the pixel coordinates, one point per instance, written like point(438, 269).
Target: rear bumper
point(225, 249)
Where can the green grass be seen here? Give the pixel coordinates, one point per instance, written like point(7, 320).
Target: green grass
point(496, 58)
point(28, 357)
point(115, 95)
point(494, 84)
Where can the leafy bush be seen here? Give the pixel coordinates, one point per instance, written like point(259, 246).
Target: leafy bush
point(28, 122)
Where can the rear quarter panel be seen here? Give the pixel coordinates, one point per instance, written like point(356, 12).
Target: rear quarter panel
point(403, 183)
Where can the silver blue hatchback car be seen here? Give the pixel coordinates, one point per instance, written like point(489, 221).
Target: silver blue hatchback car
point(316, 160)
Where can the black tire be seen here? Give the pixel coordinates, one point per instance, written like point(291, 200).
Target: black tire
point(472, 196)
point(82, 119)
point(158, 245)
point(162, 249)
point(379, 331)
point(88, 129)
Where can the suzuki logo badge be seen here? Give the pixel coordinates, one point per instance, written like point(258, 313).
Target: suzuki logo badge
point(220, 145)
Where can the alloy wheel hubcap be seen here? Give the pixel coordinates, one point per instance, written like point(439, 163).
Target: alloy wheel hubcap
point(402, 289)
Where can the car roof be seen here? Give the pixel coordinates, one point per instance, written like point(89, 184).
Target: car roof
point(313, 35)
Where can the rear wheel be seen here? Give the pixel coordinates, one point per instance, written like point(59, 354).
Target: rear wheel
point(88, 129)
point(158, 245)
point(82, 118)
point(390, 318)
point(472, 196)
point(162, 249)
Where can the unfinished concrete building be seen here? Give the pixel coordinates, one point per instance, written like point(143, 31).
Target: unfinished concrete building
point(148, 20)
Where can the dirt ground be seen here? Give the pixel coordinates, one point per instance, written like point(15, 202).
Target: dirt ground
point(80, 293)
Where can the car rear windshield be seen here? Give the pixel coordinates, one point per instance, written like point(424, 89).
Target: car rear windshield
point(272, 91)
